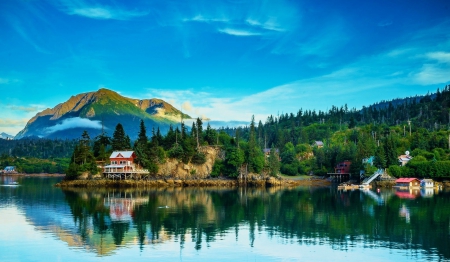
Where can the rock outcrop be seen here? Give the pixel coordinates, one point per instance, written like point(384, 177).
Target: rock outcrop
point(176, 169)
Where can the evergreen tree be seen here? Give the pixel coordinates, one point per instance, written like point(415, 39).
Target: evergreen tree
point(101, 142)
point(274, 162)
point(141, 146)
point(255, 157)
point(84, 147)
point(210, 135)
point(120, 141)
point(142, 135)
point(200, 130)
point(380, 157)
point(390, 151)
point(170, 139)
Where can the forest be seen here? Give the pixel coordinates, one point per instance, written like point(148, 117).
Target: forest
point(283, 144)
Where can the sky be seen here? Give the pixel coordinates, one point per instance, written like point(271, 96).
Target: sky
point(223, 60)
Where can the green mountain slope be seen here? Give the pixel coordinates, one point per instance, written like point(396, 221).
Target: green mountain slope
point(101, 109)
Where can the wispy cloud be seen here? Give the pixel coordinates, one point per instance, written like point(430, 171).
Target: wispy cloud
point(238, 32)
point(98, 11)
point(6, 122)
point(442, 57)
point(106, 13)
point(245, 18)
point(25, 108)
point(75, 122)
point(433, 74)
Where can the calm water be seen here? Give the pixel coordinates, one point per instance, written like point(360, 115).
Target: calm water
point(39, 222)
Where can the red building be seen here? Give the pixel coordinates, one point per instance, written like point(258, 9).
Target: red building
point(122, 166)
point(121, 161)
point(407, 182)
point(343, 167)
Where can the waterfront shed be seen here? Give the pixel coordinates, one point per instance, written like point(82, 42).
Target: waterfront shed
point(407, 182)
point(343, 167)
point(427, 183)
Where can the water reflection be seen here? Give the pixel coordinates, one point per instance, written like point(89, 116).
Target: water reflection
point(195, 219)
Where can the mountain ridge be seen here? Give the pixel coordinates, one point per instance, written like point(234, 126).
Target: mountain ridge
point(102, 109)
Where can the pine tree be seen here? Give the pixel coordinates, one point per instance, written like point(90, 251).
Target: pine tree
point(142, 135)
point(255, 158)
point(84, 147)
point(101, 142)
point(390, 151)
point(200, 130)
point(274, 162)
point(210, 135)
point(380, 157)
point(119, 140)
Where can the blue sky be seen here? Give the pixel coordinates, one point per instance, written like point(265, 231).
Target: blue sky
point(225, 60)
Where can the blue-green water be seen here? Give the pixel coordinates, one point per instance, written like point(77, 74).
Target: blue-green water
point(39, 222)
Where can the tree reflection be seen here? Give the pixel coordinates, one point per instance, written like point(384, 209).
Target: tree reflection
point(308, 216)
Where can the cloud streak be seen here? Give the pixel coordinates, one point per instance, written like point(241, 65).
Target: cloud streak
point(24, 108)
point(238, 32)
point(75, 122)
point(97, 11)
point(6, 122)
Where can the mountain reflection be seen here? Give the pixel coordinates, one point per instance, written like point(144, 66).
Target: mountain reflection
point(109, 219)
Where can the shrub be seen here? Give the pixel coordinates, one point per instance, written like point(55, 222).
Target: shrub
point(198, 158)
point(217, 168)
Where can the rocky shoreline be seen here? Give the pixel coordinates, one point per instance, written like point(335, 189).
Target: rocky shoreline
point(212, 182)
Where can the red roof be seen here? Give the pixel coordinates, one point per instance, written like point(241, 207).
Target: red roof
point(405, 180)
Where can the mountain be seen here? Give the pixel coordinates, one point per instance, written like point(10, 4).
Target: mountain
point(4, 135)
point(102, 109)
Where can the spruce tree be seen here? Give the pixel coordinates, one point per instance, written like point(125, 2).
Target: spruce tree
point(119, 140)
point(101, 142)
point(274, 162)
point(142, 135)
point(255, 157)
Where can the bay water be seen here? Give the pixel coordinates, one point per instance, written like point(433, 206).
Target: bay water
point(40, 222)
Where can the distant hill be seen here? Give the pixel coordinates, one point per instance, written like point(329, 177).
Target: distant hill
point(4, 135)
point(102, 109)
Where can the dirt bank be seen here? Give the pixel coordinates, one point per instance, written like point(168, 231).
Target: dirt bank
point(212, 182)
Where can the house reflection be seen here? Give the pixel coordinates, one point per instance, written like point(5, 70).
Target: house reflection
point(121, 207)
point(411, 193)
point(427, 192)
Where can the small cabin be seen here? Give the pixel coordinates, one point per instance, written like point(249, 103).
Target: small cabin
point(319, 144)
point(427, 183)
point(343, 167)
point(407, 182)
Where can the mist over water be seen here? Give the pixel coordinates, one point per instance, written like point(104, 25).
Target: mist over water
point(44, 223)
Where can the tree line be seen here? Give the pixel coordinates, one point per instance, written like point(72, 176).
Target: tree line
point(180, 143)
point(284, 143)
